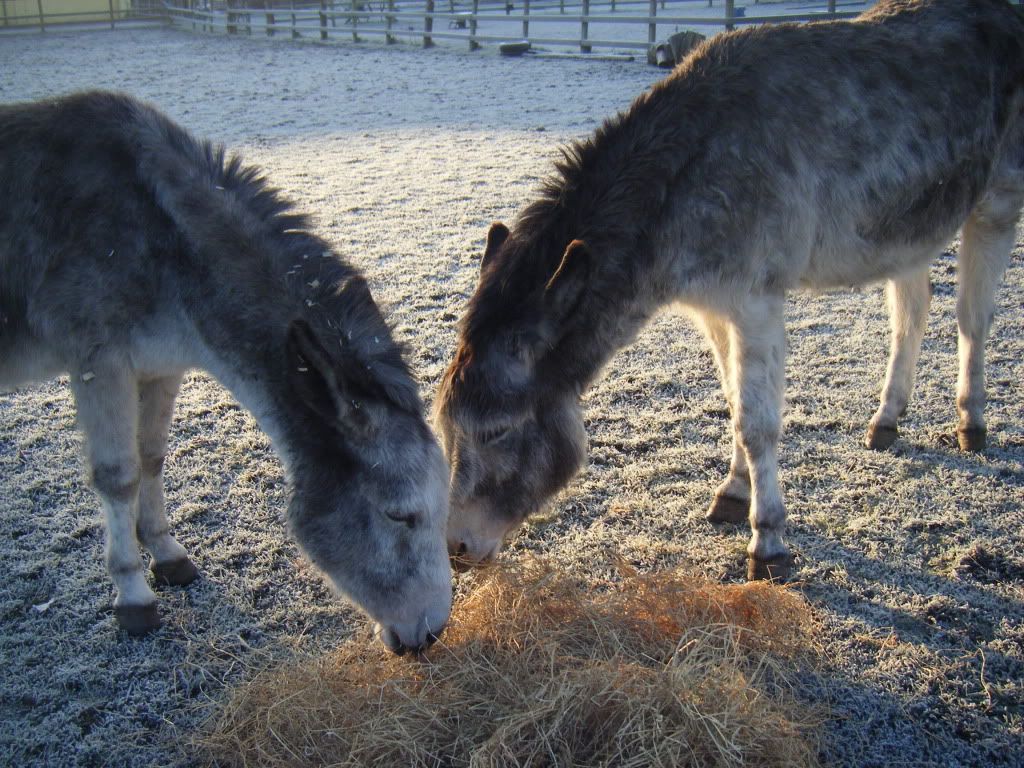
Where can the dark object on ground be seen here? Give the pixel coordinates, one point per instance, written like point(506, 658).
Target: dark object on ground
point(514, 48)
point(673, 50)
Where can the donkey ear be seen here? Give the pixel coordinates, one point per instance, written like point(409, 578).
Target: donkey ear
point(496, 237)
point(564, 290)
point(314, 379)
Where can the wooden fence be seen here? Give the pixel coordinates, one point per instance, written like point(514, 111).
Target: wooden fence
point(424, 21)
point(432, 20)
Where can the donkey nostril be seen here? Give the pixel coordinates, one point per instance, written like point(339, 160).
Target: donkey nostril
point(456, 550)
point(460, 563)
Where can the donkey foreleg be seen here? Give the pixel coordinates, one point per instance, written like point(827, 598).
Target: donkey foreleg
point(170, 564)
point(732, 498)
point(988, 238)
point(107, 402)
point(757, 358)
point(908, 298)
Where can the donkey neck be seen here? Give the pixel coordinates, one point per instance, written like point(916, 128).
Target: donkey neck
point(242, 319)
point(613, 190)
point(247, 267)
point(624, 292)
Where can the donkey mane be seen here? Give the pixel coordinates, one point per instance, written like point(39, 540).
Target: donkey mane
point(218, 202)
point(251, 186)
point(607, 180)
point(599, 177)
point(609, 190)
point(374, 361)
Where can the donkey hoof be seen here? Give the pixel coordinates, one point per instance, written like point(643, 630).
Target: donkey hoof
point(137, 620)
point(971, 439)
point(880, 437)
point(778, 568)
point(728, 509)
point(176, 573)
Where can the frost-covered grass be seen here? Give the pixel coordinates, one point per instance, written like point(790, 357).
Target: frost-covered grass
point(911, 558)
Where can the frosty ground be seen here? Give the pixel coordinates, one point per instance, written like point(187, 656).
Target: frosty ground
point(911, 558)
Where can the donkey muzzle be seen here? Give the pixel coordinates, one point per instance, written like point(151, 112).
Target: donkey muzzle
point(469, 553)
point(417, 638)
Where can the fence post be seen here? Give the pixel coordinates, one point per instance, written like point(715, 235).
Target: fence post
point(4, 2)
point(323, 19)
point(389, 20)
point(42, 23)
point(584, 28)
point(428, 25)
point(526, 19)
point(111, 14)
point(355, 21)
point(652, 28)
point(730, 14)
point(229, 20)
point(831, 6)
point(473, 44)
point(270, 25)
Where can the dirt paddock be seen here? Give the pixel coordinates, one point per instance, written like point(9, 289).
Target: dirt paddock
point(911, 559)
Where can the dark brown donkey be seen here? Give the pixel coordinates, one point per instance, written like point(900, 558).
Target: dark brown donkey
point(773, 159)
point(129, 253)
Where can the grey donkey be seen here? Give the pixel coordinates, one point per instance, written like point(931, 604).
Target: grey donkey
point(130, 253)
point(773, 159)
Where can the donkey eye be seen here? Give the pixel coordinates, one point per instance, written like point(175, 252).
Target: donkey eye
point(408, 519)
point(493, 435)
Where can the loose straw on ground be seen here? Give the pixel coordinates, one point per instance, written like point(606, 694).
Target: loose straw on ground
point(538, 669)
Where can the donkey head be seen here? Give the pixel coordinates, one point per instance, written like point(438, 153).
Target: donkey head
point(510, 419)
point(370, 497)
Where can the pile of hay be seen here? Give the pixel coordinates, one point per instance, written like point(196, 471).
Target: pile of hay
point(537, 669)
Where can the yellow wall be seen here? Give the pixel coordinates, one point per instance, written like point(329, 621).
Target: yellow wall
point(95, 10)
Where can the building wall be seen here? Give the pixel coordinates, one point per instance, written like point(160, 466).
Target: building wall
point(53, 10)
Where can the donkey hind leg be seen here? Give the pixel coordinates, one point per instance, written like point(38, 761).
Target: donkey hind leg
point(732, 498)
point(757, 343)
point(108, 412)
point(988, 238)
point(170, 563)
point(908, 299)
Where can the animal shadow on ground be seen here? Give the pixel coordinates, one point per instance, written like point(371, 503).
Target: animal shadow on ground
point(937, 655)
point(933, 635)
point(922, 610)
